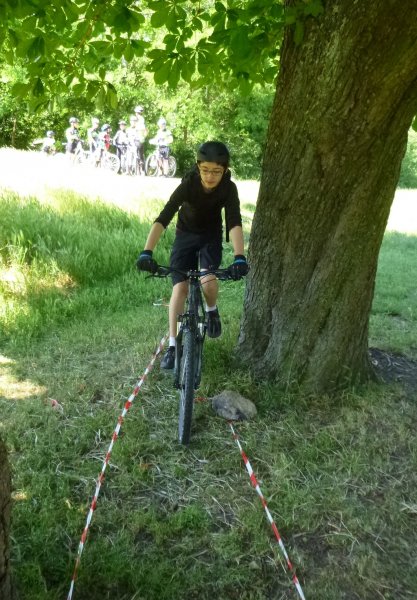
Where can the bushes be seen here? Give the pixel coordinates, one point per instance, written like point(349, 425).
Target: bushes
point(408, 175)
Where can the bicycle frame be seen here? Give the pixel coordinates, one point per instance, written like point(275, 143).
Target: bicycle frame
point(192, 320)
point(189, 344)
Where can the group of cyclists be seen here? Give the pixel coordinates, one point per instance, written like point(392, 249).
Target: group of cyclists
point(129, 141)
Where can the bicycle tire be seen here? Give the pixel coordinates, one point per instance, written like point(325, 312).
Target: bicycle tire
point(110, 162)
point(200, 313)
point(172, 166)
point(123, 164)
point(187, 383)
point(151, 165)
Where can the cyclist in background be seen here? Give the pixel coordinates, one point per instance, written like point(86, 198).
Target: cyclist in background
point(93, 135)
point(140, 124)
point(104, 137)
point(103, 142)
point(121, 141)
point(162, 140)
point(48, 143)
point(137, 134)
point(72, 135)
point(199, 201)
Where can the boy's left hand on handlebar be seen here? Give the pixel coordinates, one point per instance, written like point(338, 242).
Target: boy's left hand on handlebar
point(239, 268)
point(145, 262)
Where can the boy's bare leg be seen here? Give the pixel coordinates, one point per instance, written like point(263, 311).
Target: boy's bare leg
point(176, 305)
point(210, 287)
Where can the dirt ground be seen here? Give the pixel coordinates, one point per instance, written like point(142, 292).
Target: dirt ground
point(31, 173)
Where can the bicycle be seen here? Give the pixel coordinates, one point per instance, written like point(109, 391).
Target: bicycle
point(106, 160)
point(135, 165)
point(79, 155)
point(124, 158)
point(154, 165)
point(192, 325)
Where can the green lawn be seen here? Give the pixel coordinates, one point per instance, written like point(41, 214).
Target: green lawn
point(78, 325)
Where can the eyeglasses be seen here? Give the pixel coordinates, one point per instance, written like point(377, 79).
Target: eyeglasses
point(215, 172)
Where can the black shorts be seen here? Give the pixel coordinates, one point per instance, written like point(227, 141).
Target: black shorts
point(190, 248)
point(164, 151)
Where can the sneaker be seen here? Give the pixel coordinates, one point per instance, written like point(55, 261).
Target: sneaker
point(214, 325)
point(168, 361)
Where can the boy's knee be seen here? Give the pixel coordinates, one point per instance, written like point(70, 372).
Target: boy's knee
point(180, 289)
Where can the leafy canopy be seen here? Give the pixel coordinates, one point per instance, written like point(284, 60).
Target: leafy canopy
point(71, 44)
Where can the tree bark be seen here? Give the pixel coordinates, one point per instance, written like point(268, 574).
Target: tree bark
point(5, 509)
point(345, 100)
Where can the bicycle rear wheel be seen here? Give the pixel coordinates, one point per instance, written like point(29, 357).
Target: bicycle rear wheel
point(187, 378)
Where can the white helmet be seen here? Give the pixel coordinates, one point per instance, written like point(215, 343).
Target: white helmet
point(161, 122)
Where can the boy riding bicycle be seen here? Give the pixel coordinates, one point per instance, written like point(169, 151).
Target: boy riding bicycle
point(163, 140)
point(199, 200)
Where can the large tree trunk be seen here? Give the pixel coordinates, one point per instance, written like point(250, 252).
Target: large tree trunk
point(5, 508)
point(344, 103)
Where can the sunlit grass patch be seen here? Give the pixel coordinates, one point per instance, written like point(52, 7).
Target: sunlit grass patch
point(393, 322)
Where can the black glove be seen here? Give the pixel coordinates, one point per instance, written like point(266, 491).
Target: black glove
point(145, 262)
point(239, 268)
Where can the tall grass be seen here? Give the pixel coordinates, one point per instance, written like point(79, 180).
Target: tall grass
point(67, 261)
point(78, 325)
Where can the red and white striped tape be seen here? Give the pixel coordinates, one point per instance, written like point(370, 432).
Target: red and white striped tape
point(115, 435)
point(268, 514)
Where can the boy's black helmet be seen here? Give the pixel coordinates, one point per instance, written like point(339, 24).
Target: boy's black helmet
point(213, 152)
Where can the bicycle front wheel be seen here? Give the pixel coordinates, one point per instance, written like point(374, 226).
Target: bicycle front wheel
point(187, 377)
point(111, 162)
point(151, 166)
point(172, 166)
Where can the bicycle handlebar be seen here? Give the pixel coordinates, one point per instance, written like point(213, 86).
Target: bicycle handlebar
point(163, 271)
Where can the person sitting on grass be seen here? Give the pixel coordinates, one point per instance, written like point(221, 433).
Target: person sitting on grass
point(199, 200)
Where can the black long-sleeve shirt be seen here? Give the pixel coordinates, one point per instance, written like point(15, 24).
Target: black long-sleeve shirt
point(200, 211)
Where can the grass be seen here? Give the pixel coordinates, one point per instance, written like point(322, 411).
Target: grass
point(78, 326)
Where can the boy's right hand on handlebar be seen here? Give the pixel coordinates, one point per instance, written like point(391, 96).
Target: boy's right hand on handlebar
point(145, 262)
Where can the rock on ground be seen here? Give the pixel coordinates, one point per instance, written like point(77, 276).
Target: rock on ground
point(232, 406)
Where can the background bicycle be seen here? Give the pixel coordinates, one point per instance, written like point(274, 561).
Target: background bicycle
point(192, 325)
point(154, 164)
point(135, 166)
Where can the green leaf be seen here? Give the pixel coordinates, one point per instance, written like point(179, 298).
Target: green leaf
point(239, 42)
point(128, 52)
point(170, 42)
point(93, 88)
point(118, 48)
point(197, 24)
point(162, 74)
point(188, 68)
point(158, 19)
point(122, 20)
point(79, 88)
point(20, 89)
point(38, 88)
point(174, 75)
point(36, 48)
point(111, 96)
